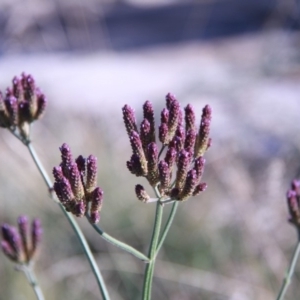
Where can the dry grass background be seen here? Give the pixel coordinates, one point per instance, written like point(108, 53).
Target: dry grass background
point(231, 242)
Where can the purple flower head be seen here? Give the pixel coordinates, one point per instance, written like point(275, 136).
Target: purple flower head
point(16, 244)
point(76, 183)
point(184, 149)
point(23, 104)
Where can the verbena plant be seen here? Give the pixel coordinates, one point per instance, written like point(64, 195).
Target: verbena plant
point(171, 161)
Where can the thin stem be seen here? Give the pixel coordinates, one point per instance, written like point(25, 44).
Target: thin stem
point(148, 276)
point(118, 243)
point(74, 225)
point(28, 271)
point(161, 151)
point(287, 279)
point(167, 226)
point(39, 165)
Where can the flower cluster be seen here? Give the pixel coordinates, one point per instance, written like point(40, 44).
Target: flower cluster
point(21, 105)
point(184, 144)
point(16, 244)
point(75, 184)
point(293, 201)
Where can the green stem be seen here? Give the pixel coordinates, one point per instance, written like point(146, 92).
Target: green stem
point(33, 282)
point(118, 243)
point(167, 226)
point(148, 276)
point(39, 165)
point(74, 225)
point(287, 279)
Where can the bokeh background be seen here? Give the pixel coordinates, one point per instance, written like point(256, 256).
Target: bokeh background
point(92, 57)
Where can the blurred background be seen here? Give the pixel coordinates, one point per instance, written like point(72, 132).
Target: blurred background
point(92, 57)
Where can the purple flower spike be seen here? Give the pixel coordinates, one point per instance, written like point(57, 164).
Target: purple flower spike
point(190, 140)
point(190, 118)
point(170, 98)
point(145, 133)
point(152, 164)
point(12, 237)
point(134, 165)
point(8, 251)
point(91, 176)
point(163, 133)
point(57, 173)
point(96, 205)
point(296, 186)
point(164, 116)
point(23, 229)
point(80, 161)
point(17, 89)
point(173, 118)
point(75, 181)
point(203, 141)
point(201, 187)
point(95, 217)
point(182, 168)
point(190, 185)
point(293, 206)
point(12, 110)
point(164, 176)
point(141, 193)
point(79, 209)
point(36, 235)
point(138, 150)
point(129, 119)
point(41, 106)
point(149, 115)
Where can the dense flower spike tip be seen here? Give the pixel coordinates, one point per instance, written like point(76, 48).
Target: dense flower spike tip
point(23, 230)
point(190, 118)
point(184, 160)
point(169, 99)
point(152, 164)
point(16, 244)
point(145, 134)
point(96, 204)
point(129, 119)
point(203, 141)
point(183, 146)
point(149, 115)
point(75, 184)
point(173, 118)
point(91, 174)
point(201, 187)
point(293, 206)
point(164, 176)
point(189, 186)
point(141, 193)
point(138, 150)
point(23, 104)
point(36, 235)
point(296, 186)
